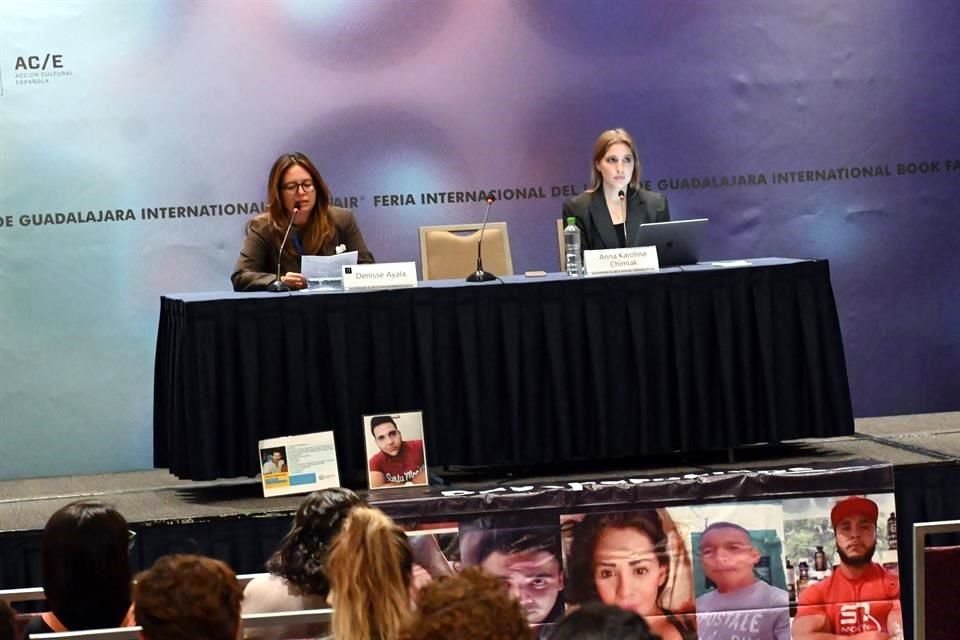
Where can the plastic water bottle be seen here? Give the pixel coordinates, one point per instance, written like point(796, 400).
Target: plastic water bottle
point(571, 240)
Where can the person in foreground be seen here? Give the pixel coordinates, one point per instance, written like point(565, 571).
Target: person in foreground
point(470, 605)
point(295, 190)
point(297, 580)
point(600, 212)
point(860, 599)
point(623, 559)
point(7, 621)
point(741, 600)
point(185, 597)
point(399, 461)
point(598, 621)
point(370, 568)
point(85, 567)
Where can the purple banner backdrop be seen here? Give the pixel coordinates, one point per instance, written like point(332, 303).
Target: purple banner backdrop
point(811, 128)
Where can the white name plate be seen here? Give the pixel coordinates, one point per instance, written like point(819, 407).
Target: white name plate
point(598, 261)
point(380, 276)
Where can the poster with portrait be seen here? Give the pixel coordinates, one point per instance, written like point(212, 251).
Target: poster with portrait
point(739, 575)
point(298, 464)
point(637, 560)
point(524, 550)
point(436, 550)
point(841, 558)
point(396, 450)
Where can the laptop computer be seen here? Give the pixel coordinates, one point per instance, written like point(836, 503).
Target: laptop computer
point(677, 242)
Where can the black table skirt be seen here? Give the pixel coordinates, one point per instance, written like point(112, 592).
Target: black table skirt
point(507, 374)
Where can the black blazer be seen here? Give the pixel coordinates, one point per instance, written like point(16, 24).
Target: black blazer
point(593, 218)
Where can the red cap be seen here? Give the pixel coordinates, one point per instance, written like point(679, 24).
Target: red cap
point(854, 505)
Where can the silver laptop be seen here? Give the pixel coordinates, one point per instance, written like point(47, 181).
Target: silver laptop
point(677, 242)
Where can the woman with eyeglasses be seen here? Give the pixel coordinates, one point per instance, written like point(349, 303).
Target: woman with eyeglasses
point(85, 566)
point(295, 191)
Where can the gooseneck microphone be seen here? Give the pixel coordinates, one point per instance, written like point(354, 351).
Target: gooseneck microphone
point(623, 209)
point(480, 275)
point(277, 285)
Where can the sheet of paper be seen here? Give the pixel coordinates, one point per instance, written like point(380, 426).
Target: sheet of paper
point(326, 267)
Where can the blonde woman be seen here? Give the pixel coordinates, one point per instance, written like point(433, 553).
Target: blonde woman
point(370, 569)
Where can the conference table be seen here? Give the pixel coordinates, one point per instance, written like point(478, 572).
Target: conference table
point(520, 372)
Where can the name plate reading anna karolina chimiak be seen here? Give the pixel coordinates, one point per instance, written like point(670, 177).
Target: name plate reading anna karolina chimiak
point(629, 260)
point(380, 276)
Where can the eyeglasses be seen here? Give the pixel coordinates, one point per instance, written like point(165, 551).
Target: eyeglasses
point(293, 187)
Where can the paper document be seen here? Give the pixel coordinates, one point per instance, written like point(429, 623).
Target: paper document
point(731, 263)
point(326, 267)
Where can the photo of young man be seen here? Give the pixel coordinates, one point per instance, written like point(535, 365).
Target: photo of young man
point(398, 462)
point(526, 559)
point(274, 461)
point(742, 607)
point(860, 598)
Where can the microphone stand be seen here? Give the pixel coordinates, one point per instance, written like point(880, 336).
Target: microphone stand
point(480, 275)
point(277, 286)
point(623, 209)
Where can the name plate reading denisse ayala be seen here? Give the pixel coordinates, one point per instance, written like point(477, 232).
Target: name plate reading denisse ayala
point(380, 276)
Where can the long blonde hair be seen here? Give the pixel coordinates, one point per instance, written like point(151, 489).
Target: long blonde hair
point(369, 568)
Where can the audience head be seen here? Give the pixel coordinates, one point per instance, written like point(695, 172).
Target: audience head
point(7, 622)
point(186, 596)
point(86, 566)
point(295, 182)
point(469, 605)
point(598, 621)
point(302, 555)
point(370, 567)
point(608, 553)
point(612, 145)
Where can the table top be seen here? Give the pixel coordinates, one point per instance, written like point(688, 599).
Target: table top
point(209, 296)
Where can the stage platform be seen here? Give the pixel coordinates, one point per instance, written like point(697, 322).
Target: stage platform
point(230, 519)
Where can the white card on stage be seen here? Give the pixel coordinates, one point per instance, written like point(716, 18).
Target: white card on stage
point(628, 260)
point(380, 276)
point(298, 464)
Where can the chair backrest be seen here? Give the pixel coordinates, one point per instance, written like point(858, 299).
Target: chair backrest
point(450, 250)
point(936, 581)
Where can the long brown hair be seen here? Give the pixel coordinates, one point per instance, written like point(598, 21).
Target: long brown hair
point(319, 229)
point(370, 567)
point(606, 140)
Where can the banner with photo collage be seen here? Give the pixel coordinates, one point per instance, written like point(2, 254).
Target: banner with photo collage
point(693, 560)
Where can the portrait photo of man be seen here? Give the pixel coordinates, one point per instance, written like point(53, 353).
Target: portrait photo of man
point(274, 460)
point(860, 598)
point(741, 606)
point(528, 560)
point(395, 461)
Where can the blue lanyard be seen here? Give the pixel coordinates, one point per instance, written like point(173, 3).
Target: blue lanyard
point(297, 244)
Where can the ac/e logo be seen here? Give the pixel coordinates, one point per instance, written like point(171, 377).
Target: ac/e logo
point(37, 63)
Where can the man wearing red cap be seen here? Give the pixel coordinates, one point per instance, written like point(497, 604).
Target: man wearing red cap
point(861, 599)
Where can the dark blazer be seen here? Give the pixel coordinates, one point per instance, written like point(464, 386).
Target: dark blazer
point(593, 218)
point(257, 265)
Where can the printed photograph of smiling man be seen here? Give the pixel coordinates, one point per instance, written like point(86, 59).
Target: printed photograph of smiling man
point(739, 571)
point(396, 452)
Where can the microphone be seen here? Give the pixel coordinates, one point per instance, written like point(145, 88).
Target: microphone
point(480, 275)
point(277, 286)
point(623, 209)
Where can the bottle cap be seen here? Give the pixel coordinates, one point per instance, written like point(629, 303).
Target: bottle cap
point(571, 220)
